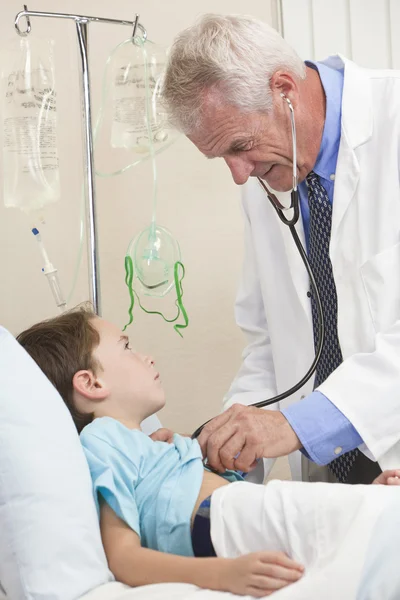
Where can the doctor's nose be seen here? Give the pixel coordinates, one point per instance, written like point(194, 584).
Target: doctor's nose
point(241, 169)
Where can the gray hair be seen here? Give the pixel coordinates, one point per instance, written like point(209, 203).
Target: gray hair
point(234, 54)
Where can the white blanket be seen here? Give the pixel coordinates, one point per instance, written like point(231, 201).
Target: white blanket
point(347, 537)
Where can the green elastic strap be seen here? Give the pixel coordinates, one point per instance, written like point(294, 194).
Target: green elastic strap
point(129, 274)
point(128, 281)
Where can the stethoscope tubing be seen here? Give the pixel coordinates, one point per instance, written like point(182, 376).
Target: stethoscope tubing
point(321, 336)
point(291, 222)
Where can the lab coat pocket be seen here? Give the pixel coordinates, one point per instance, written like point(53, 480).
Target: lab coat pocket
point(381, 279)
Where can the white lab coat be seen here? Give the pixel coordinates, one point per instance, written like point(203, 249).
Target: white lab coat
point(272, 305)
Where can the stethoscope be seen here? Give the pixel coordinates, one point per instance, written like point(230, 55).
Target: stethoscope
point(291, 222)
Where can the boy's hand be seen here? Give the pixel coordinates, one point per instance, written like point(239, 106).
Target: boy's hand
point(163, 435)
point(390, 477)
point(259, 574)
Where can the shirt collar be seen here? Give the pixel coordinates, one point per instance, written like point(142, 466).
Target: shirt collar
point(332, 82)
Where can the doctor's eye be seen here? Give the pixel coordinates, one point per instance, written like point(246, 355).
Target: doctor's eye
point(243, 148)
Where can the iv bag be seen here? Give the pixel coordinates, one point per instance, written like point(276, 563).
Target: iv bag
point(30, 157)
point(132, 83)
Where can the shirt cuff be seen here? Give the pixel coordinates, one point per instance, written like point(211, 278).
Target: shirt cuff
point(323, 430)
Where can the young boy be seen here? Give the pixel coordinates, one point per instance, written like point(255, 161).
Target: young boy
point(153, 495)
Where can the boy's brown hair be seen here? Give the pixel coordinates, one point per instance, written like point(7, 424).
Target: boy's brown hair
point(61, 347)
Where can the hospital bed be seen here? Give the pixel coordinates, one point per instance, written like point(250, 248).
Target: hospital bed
point(50, 539)
point(351, 554)
point(360, 565)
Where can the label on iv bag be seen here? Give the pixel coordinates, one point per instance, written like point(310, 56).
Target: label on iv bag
point(130, 126)
point(31, 167)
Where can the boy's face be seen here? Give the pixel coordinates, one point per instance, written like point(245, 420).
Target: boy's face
point(133, 383)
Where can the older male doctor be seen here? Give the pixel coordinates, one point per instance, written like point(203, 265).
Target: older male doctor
point(227, 86)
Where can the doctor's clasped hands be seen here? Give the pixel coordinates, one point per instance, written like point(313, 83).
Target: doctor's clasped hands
point(240, 436)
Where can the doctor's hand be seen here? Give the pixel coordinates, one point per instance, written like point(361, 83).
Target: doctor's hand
point(243, 434)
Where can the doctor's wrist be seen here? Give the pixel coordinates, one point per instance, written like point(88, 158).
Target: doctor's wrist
point(280, 439)
point(291, 437)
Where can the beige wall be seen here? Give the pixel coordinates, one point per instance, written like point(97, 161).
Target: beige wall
point(197, 201)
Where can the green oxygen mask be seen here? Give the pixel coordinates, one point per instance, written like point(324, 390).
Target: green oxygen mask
point(153, 265)
point(154, 252)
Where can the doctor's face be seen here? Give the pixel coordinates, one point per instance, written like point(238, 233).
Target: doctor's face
point(255, 144)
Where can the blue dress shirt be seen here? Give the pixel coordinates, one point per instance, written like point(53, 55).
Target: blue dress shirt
point(320, 426)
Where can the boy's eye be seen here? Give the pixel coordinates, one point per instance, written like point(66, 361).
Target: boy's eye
point(128, 346)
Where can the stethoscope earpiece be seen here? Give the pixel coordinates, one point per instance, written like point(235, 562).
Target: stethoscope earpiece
point(291, 222)
point(284, 97)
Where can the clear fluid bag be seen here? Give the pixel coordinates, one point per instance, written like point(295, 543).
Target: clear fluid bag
point(129, 126)
point(31, 168)
point(126, 118)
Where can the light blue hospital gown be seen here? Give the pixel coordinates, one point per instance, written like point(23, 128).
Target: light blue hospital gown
point(152, 486)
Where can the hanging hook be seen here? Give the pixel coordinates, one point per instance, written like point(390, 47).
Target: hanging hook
point(135, 25)
point(28, 22)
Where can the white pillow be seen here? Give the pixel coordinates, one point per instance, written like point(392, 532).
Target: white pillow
point(150, 424)
point(50, 544)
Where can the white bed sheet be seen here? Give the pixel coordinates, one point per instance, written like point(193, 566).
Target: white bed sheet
point(160, 591)
point(348, 538)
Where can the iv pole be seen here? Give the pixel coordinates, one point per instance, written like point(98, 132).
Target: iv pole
point(81, 23)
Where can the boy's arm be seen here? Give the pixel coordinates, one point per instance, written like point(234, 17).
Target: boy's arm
point(257, 574)
point(133, 565)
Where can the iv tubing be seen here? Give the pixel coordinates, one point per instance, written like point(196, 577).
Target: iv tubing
point(119, 171)
point(82, 22)
point(51, 273)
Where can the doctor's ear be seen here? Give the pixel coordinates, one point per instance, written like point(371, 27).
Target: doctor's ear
point(89, 386)
point(285, 85)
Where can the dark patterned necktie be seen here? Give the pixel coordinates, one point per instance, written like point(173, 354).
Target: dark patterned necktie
point(331, 357)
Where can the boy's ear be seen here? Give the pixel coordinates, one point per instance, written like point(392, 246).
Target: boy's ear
point(89, 386)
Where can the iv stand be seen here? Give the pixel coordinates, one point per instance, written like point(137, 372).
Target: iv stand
point(81, 23)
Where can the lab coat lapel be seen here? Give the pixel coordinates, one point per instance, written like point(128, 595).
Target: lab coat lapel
point(345, 186)
point(297, 269)
point(356, 130)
